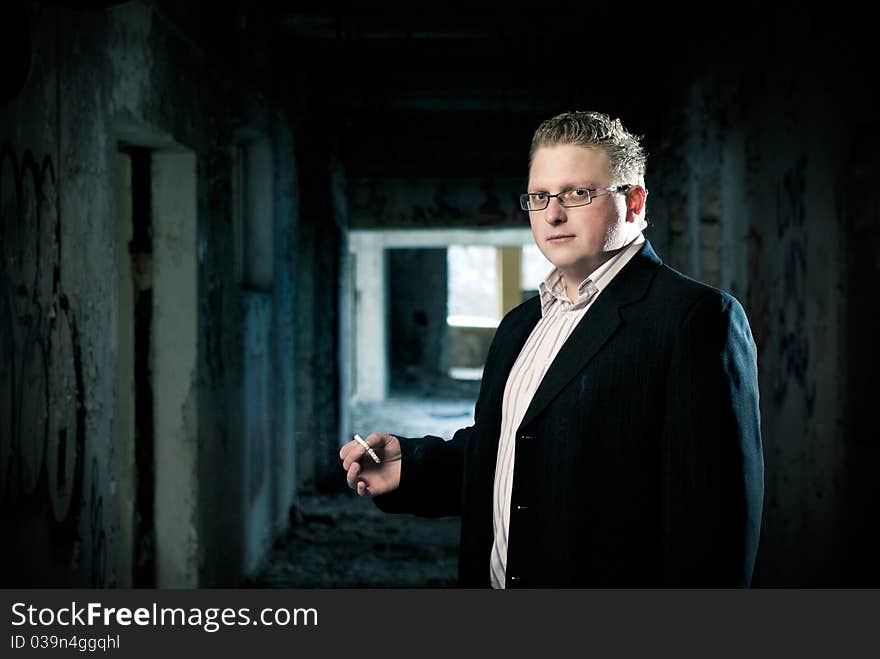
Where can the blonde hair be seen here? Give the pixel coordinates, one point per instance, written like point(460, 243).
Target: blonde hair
point(626, 157)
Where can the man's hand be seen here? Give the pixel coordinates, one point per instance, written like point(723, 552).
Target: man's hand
point(363, 474)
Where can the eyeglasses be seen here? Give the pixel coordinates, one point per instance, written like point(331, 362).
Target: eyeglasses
point(538, 201)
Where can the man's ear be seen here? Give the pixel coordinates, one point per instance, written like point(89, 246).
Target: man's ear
point(635, 203)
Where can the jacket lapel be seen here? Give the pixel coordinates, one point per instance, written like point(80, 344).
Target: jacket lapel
point(511, 342)
point(595, 328)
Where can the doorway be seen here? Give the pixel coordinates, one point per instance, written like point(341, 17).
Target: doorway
point(157, 305)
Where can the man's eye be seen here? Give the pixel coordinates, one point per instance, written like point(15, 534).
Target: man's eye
point(579, 193)
point(539, 196)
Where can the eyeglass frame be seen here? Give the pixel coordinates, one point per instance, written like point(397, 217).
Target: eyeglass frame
point(523, 198)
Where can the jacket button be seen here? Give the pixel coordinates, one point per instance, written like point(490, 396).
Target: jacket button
point(514, 579)
point(526, 437)
point(520, 507)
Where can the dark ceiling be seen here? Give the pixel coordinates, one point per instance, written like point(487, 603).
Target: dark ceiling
point(517, 61)
point(440, 89)
point(459, 92)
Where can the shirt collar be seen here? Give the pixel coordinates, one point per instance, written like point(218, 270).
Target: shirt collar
point(552, 288)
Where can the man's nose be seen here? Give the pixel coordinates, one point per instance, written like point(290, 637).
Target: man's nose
point(555, 212)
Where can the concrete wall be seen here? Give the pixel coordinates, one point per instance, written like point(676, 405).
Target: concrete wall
point(101, 78)
point(756, 178)
point(420, 201)
point(320, 241)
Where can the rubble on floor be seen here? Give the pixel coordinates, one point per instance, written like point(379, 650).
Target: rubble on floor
point(344, 541)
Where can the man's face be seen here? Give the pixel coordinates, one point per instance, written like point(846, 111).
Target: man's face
point(576, 240)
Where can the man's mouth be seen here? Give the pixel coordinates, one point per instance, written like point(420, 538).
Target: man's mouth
point(562, 237)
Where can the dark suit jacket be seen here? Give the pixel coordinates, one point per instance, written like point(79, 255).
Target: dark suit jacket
point(639, 460)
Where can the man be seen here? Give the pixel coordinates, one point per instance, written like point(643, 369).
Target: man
point(617, 436)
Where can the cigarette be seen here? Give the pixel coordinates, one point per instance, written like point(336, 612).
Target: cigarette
point(372, 453)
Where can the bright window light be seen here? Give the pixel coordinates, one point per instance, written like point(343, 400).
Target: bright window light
point(473, 286)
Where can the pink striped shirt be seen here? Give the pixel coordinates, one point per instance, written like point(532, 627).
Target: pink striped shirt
point(559, 317)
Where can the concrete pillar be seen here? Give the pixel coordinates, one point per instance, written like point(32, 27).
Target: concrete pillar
point(370, 324)
point(257, 467)
point(175, 322)
point(125, 370)
point(508, 261)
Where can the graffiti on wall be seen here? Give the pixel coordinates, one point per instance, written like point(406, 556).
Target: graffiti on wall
point(42, 417)
point(791, 333)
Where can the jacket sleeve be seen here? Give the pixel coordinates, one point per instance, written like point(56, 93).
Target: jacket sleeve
point(430, 476)
point(713, 461)
point(432, 469)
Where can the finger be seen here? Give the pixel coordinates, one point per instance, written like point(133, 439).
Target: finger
point(357, 455)
point(361, 488)
point(368, 448)
point(376, 439)
point(363, 444)
point(353, 453)
point(351, 475)
point(344, 453)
